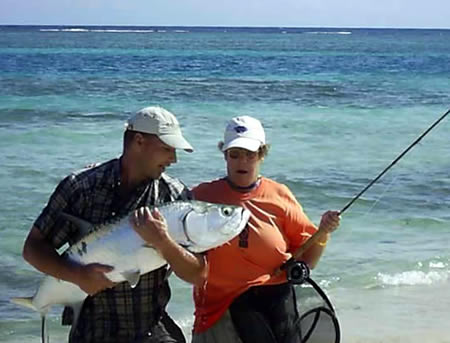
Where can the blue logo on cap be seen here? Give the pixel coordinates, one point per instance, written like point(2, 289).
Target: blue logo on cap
point(240, 129)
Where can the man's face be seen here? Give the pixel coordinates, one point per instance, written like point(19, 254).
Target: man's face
point(156, 156)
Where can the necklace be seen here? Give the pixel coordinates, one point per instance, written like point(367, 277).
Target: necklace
point(244, 189)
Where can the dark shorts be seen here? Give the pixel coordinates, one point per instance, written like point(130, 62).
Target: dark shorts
point(221, 332)
point(267, 314)
point(165, 331)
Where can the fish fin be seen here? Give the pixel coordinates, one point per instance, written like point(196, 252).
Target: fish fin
point(84, 226)
point(44, 330)
point(132, 277)
point(25, 302)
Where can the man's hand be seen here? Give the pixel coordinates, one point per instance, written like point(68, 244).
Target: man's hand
point(42, 255)
point(91, 278)
point(151, 226)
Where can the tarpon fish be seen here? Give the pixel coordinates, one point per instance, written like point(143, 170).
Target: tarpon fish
point(197, 226)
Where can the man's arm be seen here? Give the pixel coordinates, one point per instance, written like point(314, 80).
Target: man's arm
point(153, 229)
point(38, 252)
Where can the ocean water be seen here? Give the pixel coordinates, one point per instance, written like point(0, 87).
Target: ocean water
point(338, 106)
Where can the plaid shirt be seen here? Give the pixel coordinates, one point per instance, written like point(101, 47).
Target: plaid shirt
point(120, 314)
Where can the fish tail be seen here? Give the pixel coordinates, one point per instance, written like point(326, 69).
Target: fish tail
point(25, 302)
point(28, 302)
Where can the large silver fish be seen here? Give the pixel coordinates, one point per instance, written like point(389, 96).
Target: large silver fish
point(197, 226)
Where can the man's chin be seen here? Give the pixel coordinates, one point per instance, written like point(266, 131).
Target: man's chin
point(156, 174)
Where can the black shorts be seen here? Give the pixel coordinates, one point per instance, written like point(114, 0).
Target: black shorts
point(165, 331)
point(267, 314)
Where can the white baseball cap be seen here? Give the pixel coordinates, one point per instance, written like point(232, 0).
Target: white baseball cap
point(244, 132)
point(158, 121)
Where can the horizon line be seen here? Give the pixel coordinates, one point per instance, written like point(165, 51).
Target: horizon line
point(243, 26)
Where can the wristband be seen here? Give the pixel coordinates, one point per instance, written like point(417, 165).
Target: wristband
point(324, 243)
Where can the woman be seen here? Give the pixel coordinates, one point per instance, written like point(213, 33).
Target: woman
point(240, 283)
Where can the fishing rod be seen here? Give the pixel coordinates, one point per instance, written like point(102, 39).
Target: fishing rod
point(319, 233)
point(393, 162)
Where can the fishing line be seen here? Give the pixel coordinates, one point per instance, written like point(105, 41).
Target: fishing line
point(316, 236)
point(393, 162)
point(386, 189)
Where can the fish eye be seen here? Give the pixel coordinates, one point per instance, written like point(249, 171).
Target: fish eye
point(227, 211)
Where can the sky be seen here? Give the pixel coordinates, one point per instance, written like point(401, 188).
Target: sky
point(273, 13)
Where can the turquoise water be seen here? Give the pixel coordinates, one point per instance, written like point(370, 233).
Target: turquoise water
point(338, 106)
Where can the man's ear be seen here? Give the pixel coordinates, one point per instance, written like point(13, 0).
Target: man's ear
point(139, 139)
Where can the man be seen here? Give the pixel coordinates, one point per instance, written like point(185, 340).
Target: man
point(116, 312)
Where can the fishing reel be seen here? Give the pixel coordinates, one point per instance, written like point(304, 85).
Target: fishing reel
point(296, 271)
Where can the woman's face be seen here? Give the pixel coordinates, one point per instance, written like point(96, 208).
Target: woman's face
point(242, 166)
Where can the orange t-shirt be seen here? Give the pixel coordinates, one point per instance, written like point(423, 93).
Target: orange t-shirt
point(276, 229)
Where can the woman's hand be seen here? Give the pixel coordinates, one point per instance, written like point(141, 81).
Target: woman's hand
point(330, 221)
